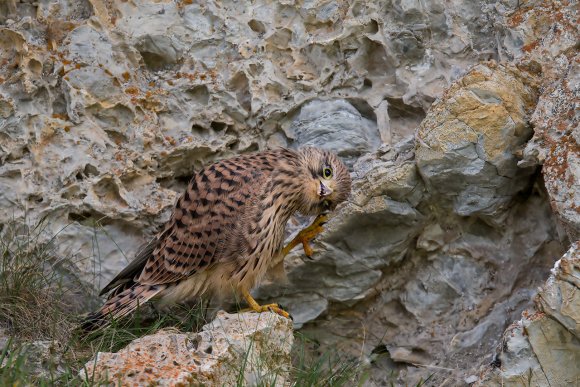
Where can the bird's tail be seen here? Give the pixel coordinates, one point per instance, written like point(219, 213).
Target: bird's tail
point(120, 305)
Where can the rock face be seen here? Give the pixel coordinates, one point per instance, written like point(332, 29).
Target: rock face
point(543, 348)
point(234, 348)
point(107, 108)
point(41, 359)
point(557, 142)
point(335, 125)
point(443, 237)
point(551, 32)
point(466, 144)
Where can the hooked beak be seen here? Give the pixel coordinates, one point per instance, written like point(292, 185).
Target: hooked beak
point(324, 190)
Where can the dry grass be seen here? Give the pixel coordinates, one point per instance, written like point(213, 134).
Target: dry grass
point(40, 295)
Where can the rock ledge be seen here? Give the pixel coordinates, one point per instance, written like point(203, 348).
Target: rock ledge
point(246, 347)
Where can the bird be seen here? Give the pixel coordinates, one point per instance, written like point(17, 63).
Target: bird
point(227, 229)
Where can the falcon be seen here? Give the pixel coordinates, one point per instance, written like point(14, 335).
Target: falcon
point(227, 230)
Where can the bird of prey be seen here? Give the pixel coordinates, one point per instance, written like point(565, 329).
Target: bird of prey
point(227, 230)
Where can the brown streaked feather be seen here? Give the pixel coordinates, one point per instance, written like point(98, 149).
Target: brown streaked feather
point(120, 305)
point(204, 221)
point(127, 276)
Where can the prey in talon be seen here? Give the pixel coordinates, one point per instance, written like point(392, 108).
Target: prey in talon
point(227, 228)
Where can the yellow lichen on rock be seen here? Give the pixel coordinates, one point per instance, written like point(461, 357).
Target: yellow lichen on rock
point(488, 102)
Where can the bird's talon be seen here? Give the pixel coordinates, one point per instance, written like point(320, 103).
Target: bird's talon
point(306, 235)
point(307, 249)
point(275, 308)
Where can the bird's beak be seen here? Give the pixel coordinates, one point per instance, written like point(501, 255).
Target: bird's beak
point(324, 190)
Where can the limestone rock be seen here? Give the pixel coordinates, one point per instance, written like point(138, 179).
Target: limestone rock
point(559, 298)
point(402, 255)
point(539, 36)
point(549, 33)
point(248, 347)
point(335, 125)
point(41, 358)
point(370, 232)
point(557, 144)
point(543, 348)
point(466, 145)
point(108, 107)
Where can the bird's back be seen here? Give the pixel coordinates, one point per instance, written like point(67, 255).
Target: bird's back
point(227, 215)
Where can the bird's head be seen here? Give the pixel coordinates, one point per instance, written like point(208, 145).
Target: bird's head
point(326, 181)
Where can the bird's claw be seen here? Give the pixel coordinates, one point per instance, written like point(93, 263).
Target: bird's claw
point(307, 249)
point(310, 232)
point(255, 307)
point(276, 308)
point(306, 235)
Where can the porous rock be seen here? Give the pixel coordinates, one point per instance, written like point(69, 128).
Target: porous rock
point(433, 236)
point(557, 144)
point(107, 107)
point(335, 125)
point(550, 33)
point(246, 348)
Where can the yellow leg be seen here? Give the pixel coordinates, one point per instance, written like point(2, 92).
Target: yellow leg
point(275, 308)
point(306, 235)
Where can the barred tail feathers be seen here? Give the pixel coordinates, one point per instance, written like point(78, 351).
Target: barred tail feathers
point(120, 305)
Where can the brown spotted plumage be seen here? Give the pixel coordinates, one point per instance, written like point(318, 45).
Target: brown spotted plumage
point(227, 229)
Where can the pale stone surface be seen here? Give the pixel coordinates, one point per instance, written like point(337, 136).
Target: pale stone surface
point(41, 358)
point(557, 143)
point(560, 298)
point(543, 348)
point(250, 348)
point(108, 106)
point(415, 258)
point(516, 364)
point(335, 125)
point(550, 33)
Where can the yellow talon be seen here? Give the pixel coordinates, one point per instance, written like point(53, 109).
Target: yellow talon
point(306, 235)
point(254, 306)
point(303, 237)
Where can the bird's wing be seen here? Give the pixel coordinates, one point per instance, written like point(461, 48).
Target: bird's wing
point(127, 276)
point(205, 220)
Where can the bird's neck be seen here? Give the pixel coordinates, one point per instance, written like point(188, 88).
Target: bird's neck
point(287, 187)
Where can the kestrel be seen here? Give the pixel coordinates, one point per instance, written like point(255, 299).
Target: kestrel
point(227, 229)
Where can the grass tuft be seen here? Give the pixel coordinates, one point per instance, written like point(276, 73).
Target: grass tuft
point(40, 294)
point(145, 321)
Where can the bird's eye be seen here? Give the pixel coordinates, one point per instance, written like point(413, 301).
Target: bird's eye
point(327, 172)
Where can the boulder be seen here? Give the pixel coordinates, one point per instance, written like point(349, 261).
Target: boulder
point(247, 348)
point(467, 144)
